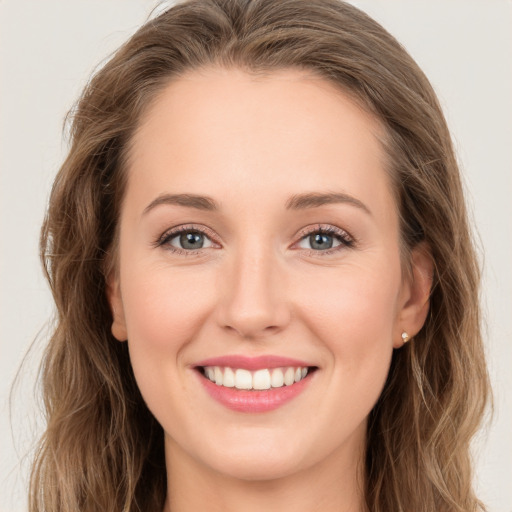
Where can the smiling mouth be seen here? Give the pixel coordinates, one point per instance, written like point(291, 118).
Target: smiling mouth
point(259, 380)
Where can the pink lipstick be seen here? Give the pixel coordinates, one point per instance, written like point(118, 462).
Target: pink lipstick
point(252, 363)
point(254, 384)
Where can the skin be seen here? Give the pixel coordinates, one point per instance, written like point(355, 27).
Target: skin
point(257, 286)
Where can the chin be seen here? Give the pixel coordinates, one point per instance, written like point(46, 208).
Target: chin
point(253, 469)
point(262, 459)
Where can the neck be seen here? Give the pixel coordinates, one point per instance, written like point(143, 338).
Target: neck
point(334, 484)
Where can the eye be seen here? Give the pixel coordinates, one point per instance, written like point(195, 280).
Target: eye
point(325, 239)
point(190, 240)
point(185, 240)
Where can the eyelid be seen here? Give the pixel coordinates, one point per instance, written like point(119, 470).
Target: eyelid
point(346, 240)
point(171, 233)
point(324, 228)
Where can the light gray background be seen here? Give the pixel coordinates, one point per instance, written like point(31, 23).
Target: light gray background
point(48, 48)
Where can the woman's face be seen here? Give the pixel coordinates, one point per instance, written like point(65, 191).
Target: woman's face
point(259, 243)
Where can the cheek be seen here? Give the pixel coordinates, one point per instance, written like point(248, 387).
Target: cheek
point(352, 313)
point(164, 308)
point(356, 299)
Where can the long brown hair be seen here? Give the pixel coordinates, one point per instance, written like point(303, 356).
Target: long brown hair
point(102, 449)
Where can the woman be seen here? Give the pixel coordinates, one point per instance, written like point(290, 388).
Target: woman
point(266, 287)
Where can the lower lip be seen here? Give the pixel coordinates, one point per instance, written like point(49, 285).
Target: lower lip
point(254, 401)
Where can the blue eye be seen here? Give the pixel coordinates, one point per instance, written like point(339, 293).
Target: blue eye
point(324, 239)
point(320, 240)
point(189, 240)
point(185, 239)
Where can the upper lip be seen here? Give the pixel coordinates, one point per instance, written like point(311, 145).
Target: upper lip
point(252, 363)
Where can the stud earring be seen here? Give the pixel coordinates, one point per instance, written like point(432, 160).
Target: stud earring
point(405, 337)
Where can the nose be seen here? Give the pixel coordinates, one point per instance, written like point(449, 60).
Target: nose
point(253, 301)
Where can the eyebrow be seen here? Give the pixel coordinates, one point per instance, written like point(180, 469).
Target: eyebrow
point(316, 199)
point(189, 200)
point(295, 202)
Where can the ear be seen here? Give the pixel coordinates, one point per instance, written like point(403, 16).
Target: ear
point(415, 295)
point(116, 306)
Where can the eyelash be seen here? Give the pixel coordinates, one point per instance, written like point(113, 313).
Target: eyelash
point(346, 240)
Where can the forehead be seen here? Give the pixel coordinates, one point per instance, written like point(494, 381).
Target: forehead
point(216, 127)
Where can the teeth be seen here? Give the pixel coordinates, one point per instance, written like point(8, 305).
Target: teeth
point(210, 373)
point(277, 380)
point(289, 376)
point(243, 379)
point(259, 380)
point(229, 378)
point(218, 376)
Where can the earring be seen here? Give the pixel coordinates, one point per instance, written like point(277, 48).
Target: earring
point(405, 337)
